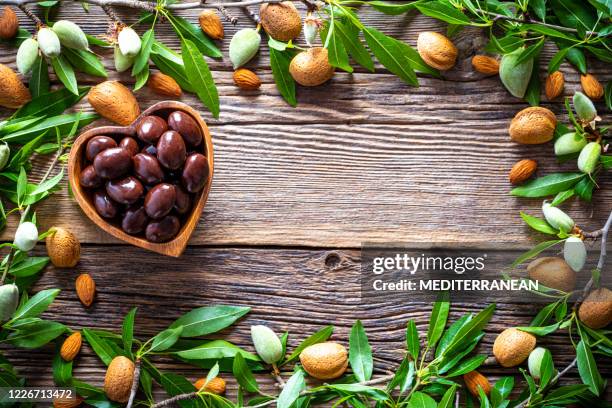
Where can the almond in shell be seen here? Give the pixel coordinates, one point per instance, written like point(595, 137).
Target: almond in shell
point(596, 310)
point(211, 24)
point(9, 23)
point(71, 346)
point(115, 102)
point(555, 83)
point(533, 125)
point(118, 379)
point(552, 272)
point(592, 87)
point(512, 347)
point(436, 50)
point(13, 93)
point(311, 67)
point(325, 361)
point(214, 386)
point(281, 21)
point(85, 289)
point(65, 402)
point(474, 381)
point(246, 79)
point(522, 170)
point(164, 85)
point(63, 248)
point(485, 64)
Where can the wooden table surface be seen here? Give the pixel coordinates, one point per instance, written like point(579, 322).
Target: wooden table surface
point(296, 191)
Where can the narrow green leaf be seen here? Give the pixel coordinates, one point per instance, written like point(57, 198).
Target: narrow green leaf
point(443, 11)
point(470, 329)
point(437, 321)
point(413, 344)
point(62, 371)
point(360, 353)
point(349, 34)
point(39, 81)
point(279, 61)
point(63, 122)
point(587, 368)
point(214, 350)
point(448, 400)
point(532, 94)
point(175, 384)
point(561, 197)
point(388, 51)
point(548, 185)
point(48, 184)
point(467, 366)
point(200, 77)
point(535, 251)
point(36, 304)
point(207, 320)
point(142, 60)
point(85, 61)
point(29, 266)
point(127, 334)
point(538, 224)
point(195, 36)
point(243, 374)
point(36, 334)
point(393, 9)
point(556, 60)
point(337, 55)
point(318, 337)
point(65, 73)
point(166, 339)
point(53, 103)
point(141, 78)
point(291, 390)
point(100, 346)
point(421, 400)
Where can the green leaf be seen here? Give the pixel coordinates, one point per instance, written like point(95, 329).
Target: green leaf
point(39, 81)
point(214, 350)
point(608, 95)
point(85, 61)
point(437, 321)
point(210, 319)
point(556, 60)
point(391, 54)
point(65, 73)
point(63, 122)
point(535, 251)
point(470, 330)
point(372, 392)
point(504, 386)
point(540, 330)
point(291, 390)
point(449, 362)
point(22, 183)
point(279, 61)
point(532, 94)
point(547, 369)
point(29, 266)
point(551, 32)
point(243, 374)
point(413, 344)
point(530, 52)
point(175, 384)
point(545, 314)
point(467, 366)
point(37, 334)
point(127, 332)
point(199, 75)
point(443, 11)
point(573, 14)
point(195, 36)
point(538, 224)
point(588, 369)
point(47, 184)
point(338, 57)
point(584, 188)
point(360, 353)
point(566, 392)
point(166, 339)
point(548, 185)
point(36, 304)
point(448, 400)
point(421, 400)
point(53, 103)
point(561, 197)
point(392, 9)
point(450, 333)
point(318, 337)
point(539, 8)
point(62, 371)
point(100, 346)
point(141, 78)
point(142, 60)
point(349, 34)
point(576, 57)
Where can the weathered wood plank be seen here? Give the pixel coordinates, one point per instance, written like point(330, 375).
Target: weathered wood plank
point(289, 290)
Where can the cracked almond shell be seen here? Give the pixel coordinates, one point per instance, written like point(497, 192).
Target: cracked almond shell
point(311, 67)
point(513, 346)
point(596, 310)
point(436, 50)
point(325, 361)
point(281, 21)
point(13, 93)
point(118, 379)
point(115, 102)
point(533, 125)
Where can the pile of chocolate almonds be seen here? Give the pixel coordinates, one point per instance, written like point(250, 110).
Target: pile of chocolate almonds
point(147, 183)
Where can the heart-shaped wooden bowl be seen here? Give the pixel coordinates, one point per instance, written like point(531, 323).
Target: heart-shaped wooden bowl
point(177, 245)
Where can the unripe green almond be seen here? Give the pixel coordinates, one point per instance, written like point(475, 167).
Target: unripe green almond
point(267, 344)
point(26, 236)
point(557, 218)
point(9, 300)
point(26, 55)
point(122, 62)
point(243, 46)
point(311, 29)
point(534, 361)
point(48, 42)
point(575, 253)
point(569, 143)
point(584, 107)
point(515, 77)
point(129, 42)
point(5, 152)
point(589, 157)
point(70, 35)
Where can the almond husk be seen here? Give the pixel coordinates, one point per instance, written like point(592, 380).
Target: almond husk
point(115, 102)
point(325, 361)
point(596, 310)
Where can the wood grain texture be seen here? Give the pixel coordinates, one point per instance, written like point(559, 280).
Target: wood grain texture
point(299, 291)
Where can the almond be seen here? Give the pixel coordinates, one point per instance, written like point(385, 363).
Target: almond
point(474, 380)
point(246, 79)
point(311, 67)
point(115, 102)
point(485, 64)
point(71, 346)
point(68, 402)
point(325, 361)
point(555, 83)
point(512, 347)
point(281, 21)
point(533, 125)
point(118, 379)
point(9, 24)
point(211, 24)
point(164, 85)
point(436, 50)
point(552, 272)
point(86, 289)
point(596, 310)
point(591, 86)
point(522, 170)
point(13, 93)
point(63, 248)
point(214, 386)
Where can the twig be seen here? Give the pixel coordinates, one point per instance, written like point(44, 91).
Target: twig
point(176, 398)
point(537, 22)
point(457, 399)
point(233, 20)
point(111, 13)
point(554, 380)
point(135, 383)
point(9, 261)
point(149, 6)
point(252, 15)
point(31, 15)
